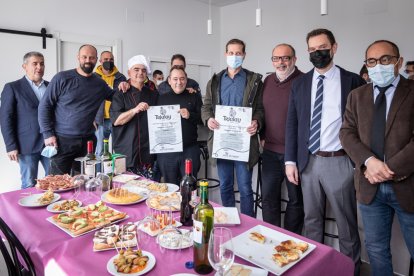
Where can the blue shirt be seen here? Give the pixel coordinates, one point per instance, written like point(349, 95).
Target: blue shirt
point(38, 90)
point(232, 90)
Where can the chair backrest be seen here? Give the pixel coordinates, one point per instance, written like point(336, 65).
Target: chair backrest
point(19, 253)
point(7, 258)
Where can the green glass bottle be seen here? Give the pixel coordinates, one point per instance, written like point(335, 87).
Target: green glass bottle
point(203, 224)
point(106, 159)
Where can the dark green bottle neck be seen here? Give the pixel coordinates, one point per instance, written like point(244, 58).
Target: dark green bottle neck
point(204, 194)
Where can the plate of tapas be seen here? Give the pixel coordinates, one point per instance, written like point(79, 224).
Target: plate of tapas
point(131, 262)
point(86, 219)
point(226, 216)
point(274, 251)
point(63, 206)
point(39, 200)
point(153, 229)
point(125, 195)
point(245, 270)
point(124, 178)
point(165, 202)
point(58, 183)
point(115, 236)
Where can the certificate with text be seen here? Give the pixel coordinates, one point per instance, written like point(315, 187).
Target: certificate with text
point(164, 129)
point(231, 139)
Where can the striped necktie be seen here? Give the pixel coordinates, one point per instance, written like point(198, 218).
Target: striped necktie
point(315, 130)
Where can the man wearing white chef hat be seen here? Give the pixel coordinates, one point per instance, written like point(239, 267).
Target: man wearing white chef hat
point(129, 118)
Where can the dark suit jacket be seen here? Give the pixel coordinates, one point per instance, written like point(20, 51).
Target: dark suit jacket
point(299, 112)
point(19, 124)
point(355, 137)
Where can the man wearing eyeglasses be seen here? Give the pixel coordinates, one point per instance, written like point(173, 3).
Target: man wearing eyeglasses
point(409, 70)
point(276, 91)
point(314, 156)
point(378, 135)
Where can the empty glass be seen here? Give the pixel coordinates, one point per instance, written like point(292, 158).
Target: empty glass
point(220, 250)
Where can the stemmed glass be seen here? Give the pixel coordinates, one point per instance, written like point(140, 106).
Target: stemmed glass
point(170, 238)
point(80, 179)
point(148, 227)
point(220, 250)
point(93, 188)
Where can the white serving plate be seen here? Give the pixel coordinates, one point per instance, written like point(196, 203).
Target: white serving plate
point(153, 234)
point(255, 270)
point(171, 187)
point(232, 216)
point(261, 254)
point(141, 191)
point(165, 207)
point(50, 219)
point(50, 206)
point(31, 200)
point(150, 265)
point(185, 243)
point(124, 178)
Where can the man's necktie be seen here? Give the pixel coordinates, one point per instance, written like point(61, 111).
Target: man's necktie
point(315, 131)
point(378, 124)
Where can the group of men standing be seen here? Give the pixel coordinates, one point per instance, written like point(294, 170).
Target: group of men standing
point(327, 133)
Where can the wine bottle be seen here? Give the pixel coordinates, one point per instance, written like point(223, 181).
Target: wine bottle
point(203, 223)
point(188, 189)
point(90, 160)
point(106, 159)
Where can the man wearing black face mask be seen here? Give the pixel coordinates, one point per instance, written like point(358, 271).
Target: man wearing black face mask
point(314, 157)
point(68, 108)
point(110, 74)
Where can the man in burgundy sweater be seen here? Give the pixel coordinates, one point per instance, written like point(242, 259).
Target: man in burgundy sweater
point(276, 93)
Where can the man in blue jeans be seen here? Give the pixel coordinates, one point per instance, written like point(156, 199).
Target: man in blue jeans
point(378, 135)
point(236, 86)
point(19, 125)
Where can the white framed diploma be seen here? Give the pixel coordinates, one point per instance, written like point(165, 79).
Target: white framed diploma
point(164, 129)
point(231, 139)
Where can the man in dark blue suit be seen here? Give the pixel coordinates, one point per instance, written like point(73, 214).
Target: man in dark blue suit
point(19, 125)
point(314, 157)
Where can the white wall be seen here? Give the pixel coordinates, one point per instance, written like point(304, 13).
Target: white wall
point(355, 24)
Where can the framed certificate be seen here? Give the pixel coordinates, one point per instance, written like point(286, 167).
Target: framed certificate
point(231, 139)
point(164, 129)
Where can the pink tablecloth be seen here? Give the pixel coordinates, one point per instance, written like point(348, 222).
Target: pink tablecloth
point(56, 253)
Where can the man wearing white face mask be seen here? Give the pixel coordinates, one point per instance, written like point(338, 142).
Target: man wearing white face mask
point(276, 91)
point(378, 135)
point(236, 86)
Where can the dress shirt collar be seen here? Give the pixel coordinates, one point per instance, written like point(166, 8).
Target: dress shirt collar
point(329, 75)
point(32, 82)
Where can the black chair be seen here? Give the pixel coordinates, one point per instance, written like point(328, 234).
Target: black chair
point(325, 234)
point(257, 201)
point(18, 254)
point(205, 155)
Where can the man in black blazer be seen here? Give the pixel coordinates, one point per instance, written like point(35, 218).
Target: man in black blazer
point(19, 124)
point(314, 156)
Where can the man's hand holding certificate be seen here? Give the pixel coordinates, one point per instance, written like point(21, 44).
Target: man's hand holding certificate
point(232, 127)
point(164, 129)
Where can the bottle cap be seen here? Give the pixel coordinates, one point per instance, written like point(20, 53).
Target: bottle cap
point(203, 183)
point(189, 265)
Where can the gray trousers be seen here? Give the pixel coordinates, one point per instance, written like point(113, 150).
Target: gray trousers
point(332, 178)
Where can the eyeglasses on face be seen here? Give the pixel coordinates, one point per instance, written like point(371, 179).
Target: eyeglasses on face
point(283, 58)
point(384, 60)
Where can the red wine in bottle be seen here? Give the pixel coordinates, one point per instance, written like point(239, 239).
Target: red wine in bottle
point(188, 191)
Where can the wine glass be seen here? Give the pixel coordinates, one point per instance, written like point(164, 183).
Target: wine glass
point(148, 227)
point(78, 182)
point(220, 250)
point(170, 238)
point(93, 189)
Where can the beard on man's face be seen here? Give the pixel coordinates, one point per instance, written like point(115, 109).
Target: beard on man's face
point(87, 67)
